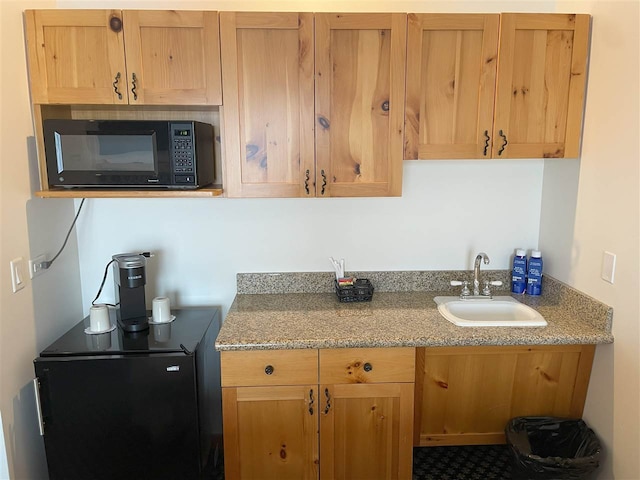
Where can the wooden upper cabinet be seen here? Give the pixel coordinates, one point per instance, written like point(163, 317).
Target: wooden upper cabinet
point(173, 57)
point(268, 122)
point(451, 78)
point(76, 56)
point(541, 85)
point(131, 57)
point(360, 79)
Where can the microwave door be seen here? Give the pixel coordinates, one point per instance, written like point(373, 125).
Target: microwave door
point(111, 158)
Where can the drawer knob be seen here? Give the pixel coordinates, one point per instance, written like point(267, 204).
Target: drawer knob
point(368, 367)
point(268, 369)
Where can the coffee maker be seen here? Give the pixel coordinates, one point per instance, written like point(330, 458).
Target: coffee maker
point(130, 279)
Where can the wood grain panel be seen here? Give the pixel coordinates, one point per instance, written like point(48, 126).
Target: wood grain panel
point(271, 432)
point(470, 393)
point(367, 431)
point(175, 56)
point(451, 75)
point(74, 56)
point(348, 365)
point(360, 65)
point(268, 94)
point(290, 367)
point(541, 82)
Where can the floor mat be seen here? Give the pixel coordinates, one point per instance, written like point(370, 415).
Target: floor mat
point(477, 462)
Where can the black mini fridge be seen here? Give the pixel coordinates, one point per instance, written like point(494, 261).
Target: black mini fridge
point(140, 405)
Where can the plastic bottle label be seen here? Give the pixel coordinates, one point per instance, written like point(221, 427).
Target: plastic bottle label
point(534, 277)
point(518, 275)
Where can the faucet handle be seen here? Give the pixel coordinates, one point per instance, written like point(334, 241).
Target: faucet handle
point(486, 290)
point(465, 287)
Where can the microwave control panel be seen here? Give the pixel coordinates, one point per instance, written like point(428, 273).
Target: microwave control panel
point(183, 151)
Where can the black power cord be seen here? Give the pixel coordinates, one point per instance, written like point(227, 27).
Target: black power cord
point(46, 264)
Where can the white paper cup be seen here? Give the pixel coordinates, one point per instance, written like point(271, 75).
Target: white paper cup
point(161, 310)
point(99, 318)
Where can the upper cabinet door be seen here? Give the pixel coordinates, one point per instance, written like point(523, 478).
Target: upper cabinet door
point(76, 56)
point(451, 78)
point(268, 122)
point(173, 57)
point(360, 79)
point(541, 83)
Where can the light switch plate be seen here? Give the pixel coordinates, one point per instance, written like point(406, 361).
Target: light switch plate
point(608, 266)
point(17, 274)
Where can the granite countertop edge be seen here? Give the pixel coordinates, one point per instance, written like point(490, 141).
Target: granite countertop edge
point(276, 321)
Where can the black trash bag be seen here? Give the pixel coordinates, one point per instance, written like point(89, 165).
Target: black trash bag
point(550, 448)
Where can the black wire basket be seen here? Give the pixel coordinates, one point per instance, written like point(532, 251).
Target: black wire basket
point(360, 291)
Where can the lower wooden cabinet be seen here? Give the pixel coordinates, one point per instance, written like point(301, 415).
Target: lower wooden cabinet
point(354, 421)
point(466, 395)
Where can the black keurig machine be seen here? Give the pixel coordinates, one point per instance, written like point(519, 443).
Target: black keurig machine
point(129, 276)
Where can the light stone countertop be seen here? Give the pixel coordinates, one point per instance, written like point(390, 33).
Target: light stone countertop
point(258, 321)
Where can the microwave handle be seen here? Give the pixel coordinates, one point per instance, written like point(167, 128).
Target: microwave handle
point(36, 390)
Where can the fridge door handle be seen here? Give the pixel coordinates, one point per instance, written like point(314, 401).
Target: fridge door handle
point(36, 389)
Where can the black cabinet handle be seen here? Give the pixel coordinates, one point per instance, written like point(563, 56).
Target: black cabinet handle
point(134, 79)
point(324, 181)
point(268, 369)
point(311, 402)
point(368, 367)
point(486, 142)
point(306, 181)
point(504, 142)
point(328, 405)
point(115, 86)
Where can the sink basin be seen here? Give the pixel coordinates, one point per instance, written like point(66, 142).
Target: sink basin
point(496, 312)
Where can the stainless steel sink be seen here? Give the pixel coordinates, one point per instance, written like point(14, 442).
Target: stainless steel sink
point(496, 312)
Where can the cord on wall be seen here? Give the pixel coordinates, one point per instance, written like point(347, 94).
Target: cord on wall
point(46, 264)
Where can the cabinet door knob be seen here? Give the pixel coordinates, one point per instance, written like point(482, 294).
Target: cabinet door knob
point(368, 367)
point(268, 369)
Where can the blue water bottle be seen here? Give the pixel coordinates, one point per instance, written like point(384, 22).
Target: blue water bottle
point(534, 274)
point(519, 272)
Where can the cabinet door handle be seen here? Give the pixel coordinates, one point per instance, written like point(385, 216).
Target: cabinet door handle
point(324, 181)
point(134, 79)
point(306, 181)
point(368, 367)
point(504, 142)
point(328, 404)
point(115, 85)
point(36, 389)
point(487, 138)
point(269, 369)
point(311, 402)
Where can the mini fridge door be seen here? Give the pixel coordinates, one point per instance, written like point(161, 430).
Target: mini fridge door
point(120, 417)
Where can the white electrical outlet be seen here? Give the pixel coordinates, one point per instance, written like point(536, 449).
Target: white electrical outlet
point(17, 274)
point(608, 266)
point(35, 265)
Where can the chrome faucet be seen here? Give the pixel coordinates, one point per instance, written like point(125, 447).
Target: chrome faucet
point(476, 271)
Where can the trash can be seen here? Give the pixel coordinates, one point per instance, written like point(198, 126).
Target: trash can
point(550, 448)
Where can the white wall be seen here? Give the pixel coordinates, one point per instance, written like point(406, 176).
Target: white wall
point(593, 206)
point(31, 318)
point(449, 211)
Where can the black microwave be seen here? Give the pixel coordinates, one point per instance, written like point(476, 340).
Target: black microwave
point(128, 153)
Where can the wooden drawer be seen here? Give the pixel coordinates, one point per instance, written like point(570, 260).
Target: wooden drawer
point(251, 367)
point(367, 365)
